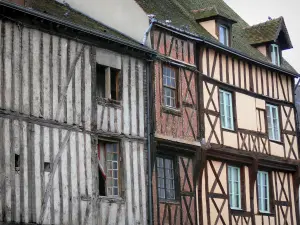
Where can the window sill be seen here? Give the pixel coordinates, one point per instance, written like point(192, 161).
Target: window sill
point(228, 130)
point(173, 111)
point(173, 202)
point(109, 102)
point(276, 142)
point(266, 214)
point(111, 199)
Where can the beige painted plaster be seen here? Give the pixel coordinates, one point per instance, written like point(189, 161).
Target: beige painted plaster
point(210, 26)
point(247, 188)
point(246, 111)
point(262, 49)
point(125, 16)
point(276, 149)
point(259, 103)
point(230, 139)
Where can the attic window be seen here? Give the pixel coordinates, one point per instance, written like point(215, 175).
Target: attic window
point(275, 54)
point(224, 35)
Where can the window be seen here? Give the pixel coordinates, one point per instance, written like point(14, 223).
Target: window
point(107, 82)
point(263, 191)
point(234, 184)
point(273, 122)
point(165, 178)
point(224, 35)
point(275, 56)
point(109, 166)
point(226, 110)
point(170, 87)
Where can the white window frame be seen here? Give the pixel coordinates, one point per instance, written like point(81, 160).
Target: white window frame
point(233, 193)
point(226, 35)
point(262, 196)
point(273, 122)
point(223, 112)
point(169, 74)
point(275, 58)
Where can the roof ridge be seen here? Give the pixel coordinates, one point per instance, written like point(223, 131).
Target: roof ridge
point(263, 23)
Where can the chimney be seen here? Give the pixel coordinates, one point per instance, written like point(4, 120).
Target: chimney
point(18, 2)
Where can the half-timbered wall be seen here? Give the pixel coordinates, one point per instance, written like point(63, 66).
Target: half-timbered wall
point(249, 107)
point(245, 75)
point(50, 122)
point(180, 123)
point(183, 209)
point(214, 198)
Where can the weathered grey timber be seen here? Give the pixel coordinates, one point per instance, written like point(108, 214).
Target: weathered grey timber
point(49, 114)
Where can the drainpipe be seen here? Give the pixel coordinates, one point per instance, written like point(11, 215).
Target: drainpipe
point(152, 20)
point(149, 101)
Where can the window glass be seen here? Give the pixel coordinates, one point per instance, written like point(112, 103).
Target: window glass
point(223, 35)
point(263, 191)
point(275, 56)
point(107, 82)
point(109, 166)
point(170, 89)
point(273, 122)
point(165, 178)
point(234, 187)
point(226, 110)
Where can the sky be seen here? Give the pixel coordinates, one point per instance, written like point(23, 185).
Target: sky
point(257, 11)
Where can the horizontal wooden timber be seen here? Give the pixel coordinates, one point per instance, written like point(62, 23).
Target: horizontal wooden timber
point(243, 91)
point(220, 152)
point(55, 124)
point(282, 203)
point(217, 195)
point(251, 132)
point(243, 213)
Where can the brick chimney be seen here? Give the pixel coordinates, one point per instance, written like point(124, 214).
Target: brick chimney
point(19, 2)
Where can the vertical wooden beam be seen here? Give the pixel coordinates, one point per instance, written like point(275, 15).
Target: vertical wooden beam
point(296, 183)
point(252, 178)
point(107, 82)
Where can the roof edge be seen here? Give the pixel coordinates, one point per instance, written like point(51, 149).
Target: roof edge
point(199, 38)
point(50, 18)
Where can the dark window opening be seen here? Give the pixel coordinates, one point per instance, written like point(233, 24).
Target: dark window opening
point(107, 82)
point(47, 167)
point(17, 162)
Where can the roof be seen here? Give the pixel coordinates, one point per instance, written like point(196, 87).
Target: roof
point(208, 13)
point(268, 31)
point(180, 13)
point(65, 13)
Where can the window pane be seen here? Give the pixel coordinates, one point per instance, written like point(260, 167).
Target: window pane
point(165, 174)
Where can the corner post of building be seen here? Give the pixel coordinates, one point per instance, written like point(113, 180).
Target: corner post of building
point(296, 178)
point(253, 175)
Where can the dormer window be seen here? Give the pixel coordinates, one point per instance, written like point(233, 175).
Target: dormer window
point(275, 55)
point(224, 35)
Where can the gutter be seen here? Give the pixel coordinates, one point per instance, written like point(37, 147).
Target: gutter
point(204, 40)
point(83, 29)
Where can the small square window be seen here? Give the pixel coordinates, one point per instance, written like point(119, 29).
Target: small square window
point(109, 168)
point(170, 86)
point(107, 82)
point(224, 35)
point(165, 178)
point(226, 110)
point(234, 184)
point(273, 122)
point(263, 191)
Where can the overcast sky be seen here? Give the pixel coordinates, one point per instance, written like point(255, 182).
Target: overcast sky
point(257, 11)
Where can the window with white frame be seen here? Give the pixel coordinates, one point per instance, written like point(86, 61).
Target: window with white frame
point(165, 178)
point(275, 55)
point(169, 86)
point(109, 167)
point(234, 184)
point(224, 35)
point(273, 122)
point(263, 191)
point(226, 110)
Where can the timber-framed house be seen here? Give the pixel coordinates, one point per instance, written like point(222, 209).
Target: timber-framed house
point(72, 113)
point(225, 145)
